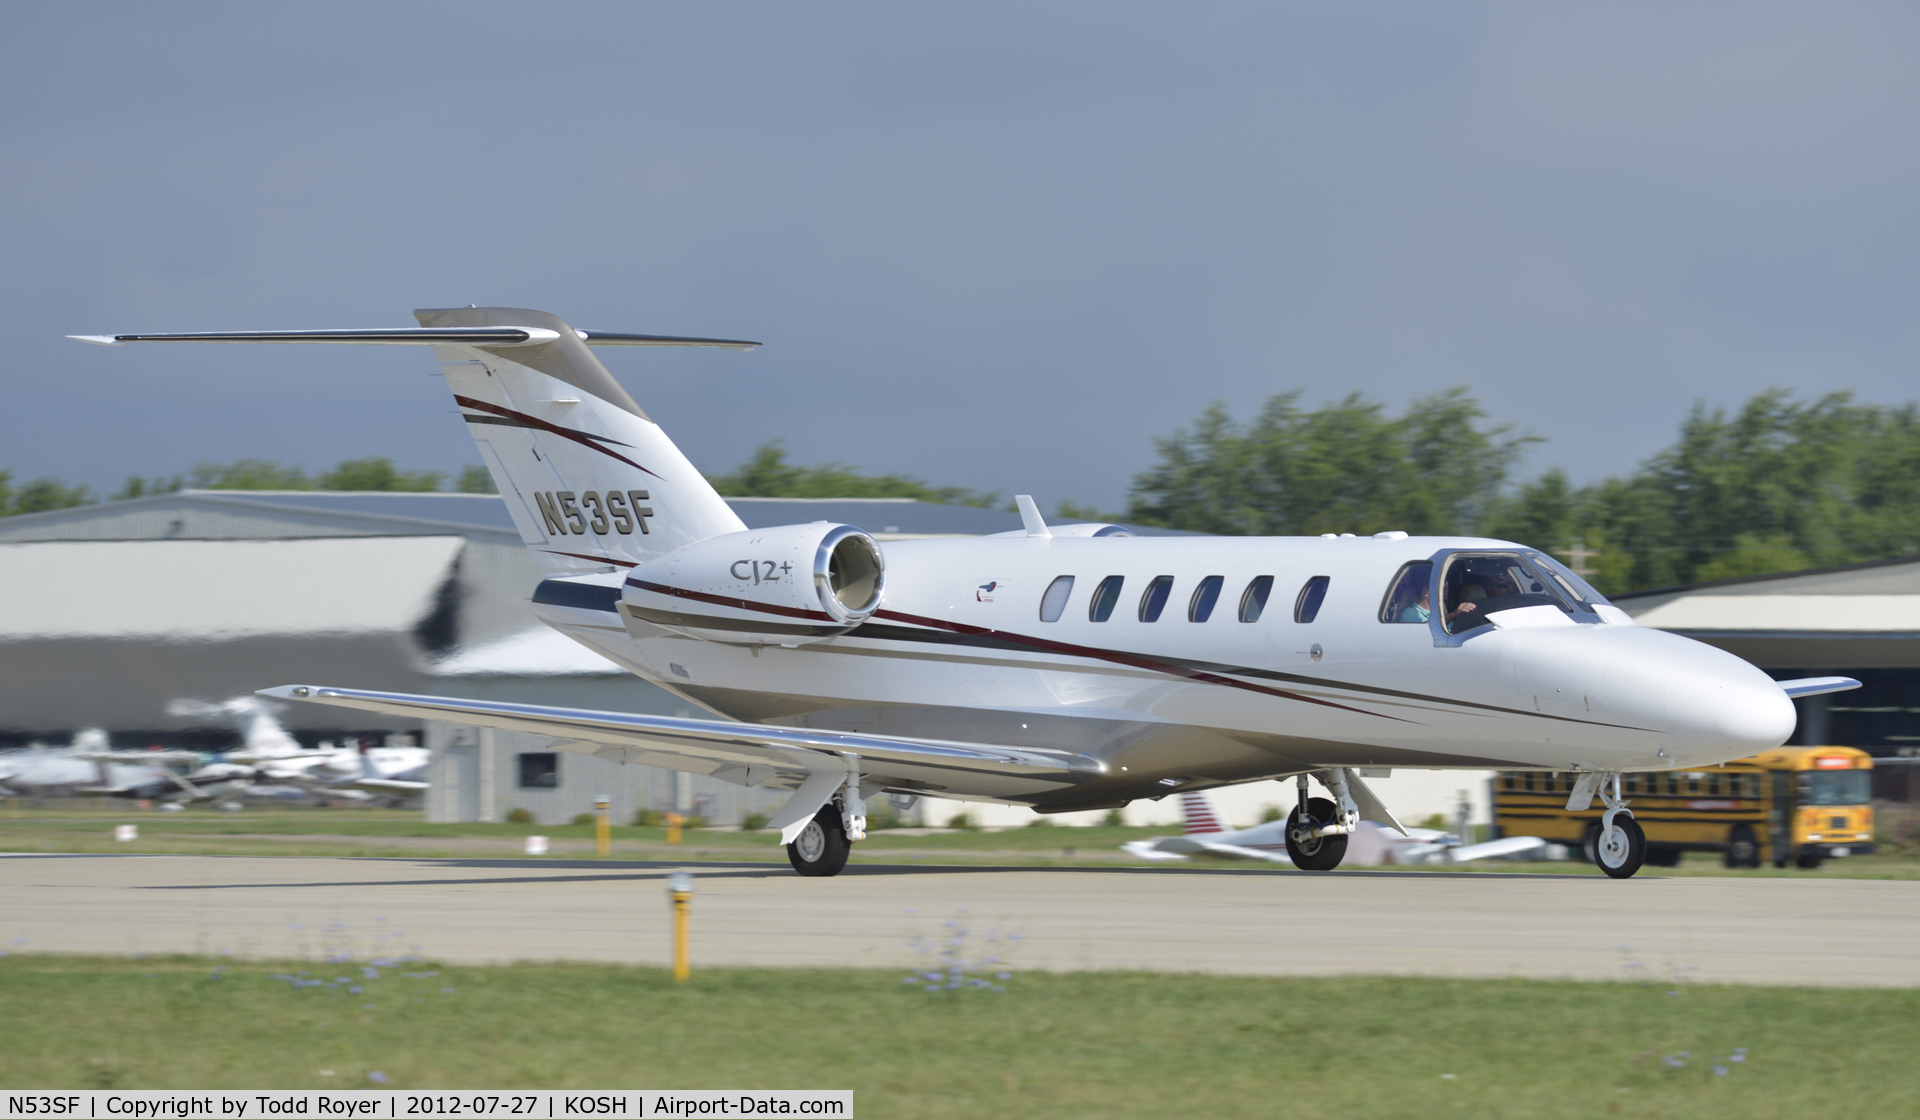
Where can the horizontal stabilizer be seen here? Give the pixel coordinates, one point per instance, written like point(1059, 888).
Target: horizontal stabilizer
point(1816, 686)
point(422, 336)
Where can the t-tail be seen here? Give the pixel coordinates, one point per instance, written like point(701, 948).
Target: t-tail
point(589, 479)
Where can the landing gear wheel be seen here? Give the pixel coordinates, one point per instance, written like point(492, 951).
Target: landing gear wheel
point(1620, 850)
point(1322, 853)
point(1742, 849)
point(821, 849)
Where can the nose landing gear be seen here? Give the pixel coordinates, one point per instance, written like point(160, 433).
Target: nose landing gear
point(1616, 843)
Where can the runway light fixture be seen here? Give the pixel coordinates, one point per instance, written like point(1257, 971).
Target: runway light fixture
point(680, 897)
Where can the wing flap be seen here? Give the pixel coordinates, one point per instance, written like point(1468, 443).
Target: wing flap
point(721, 747)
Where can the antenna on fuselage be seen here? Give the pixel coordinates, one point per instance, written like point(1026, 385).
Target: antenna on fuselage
point(1030, 516)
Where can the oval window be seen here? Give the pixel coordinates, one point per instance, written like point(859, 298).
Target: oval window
point(1100, 607)
point(1307, 604)
point(1154, 599)
point(1055, 600)
point(1254, 599)
point(1200, 607)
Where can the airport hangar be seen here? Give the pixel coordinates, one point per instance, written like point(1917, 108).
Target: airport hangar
point(113, 610)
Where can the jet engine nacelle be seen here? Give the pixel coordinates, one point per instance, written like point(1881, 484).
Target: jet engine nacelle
point(787, 585)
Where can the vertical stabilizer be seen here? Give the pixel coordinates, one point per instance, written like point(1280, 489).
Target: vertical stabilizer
point(1197, 808)
point(588, 476)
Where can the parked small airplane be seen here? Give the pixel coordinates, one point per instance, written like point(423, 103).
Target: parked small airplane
point(1206, 836)
point(1062, 667)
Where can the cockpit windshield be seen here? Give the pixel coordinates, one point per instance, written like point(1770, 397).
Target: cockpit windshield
point(1478, 585)
point(1572, 585)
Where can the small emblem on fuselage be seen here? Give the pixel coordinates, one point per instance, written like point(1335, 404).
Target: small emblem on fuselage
point(984, 592)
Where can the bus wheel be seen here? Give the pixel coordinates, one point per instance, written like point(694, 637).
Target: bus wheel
point(1742, 849)
point(1807, 859)
point(1622, 849)
point(1320, 853)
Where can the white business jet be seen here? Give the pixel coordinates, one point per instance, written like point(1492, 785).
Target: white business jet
point(1066, 668)
point(1204, 835)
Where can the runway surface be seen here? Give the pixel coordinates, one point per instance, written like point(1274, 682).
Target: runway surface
point(1667, 931)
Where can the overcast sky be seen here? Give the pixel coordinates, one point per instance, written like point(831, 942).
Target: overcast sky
point(996, 246)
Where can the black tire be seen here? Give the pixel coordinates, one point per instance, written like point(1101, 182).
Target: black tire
point(821, 849)
point(1623, 862)
point(1808, 859)
point(1742, 849)
point(1322, 854)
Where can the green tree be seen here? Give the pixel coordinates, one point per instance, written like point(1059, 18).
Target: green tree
point(768, 475)
point(39, 496)
point(1347, 467)
point(248, 474)
point(475, 480)
point(377, 472)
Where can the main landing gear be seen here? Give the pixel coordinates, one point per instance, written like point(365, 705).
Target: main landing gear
point(1317, 837)
point(1616, 842)
point(822, 847)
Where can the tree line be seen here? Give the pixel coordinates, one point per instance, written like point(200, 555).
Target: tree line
point(1779, 484)
point(1776, 485)
point(376, 472)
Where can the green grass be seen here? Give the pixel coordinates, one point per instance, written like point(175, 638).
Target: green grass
point(86, 825)
point(1106, 1045)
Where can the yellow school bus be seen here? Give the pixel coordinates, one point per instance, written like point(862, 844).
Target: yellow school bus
point(1804, 804)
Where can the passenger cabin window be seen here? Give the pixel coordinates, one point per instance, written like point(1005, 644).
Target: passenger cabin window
point(1312, 594)
point(1055, 600)
point(1200, 607)
point(1409, 595)
point(1476, 586)
point(1100, 607)
point(1154, 599)
point(1254, 599)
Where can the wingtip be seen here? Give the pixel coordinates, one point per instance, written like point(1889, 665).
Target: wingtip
point(96, 339)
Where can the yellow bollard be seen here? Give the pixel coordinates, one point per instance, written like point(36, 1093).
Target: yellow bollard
point(673, 828)
point(680, 893)
point(603, 825)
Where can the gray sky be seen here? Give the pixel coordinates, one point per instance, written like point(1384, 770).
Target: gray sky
point(998, 246)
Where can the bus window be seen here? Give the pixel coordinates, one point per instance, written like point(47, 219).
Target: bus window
point(1713, 784)
point(1407, 595)
point(1200, 607)
point(1154, 599)
point(1055, 600)
point(1836, 787)
point(1307, 604)
point(1506, 780)
point(1100, 607)
point(1254, 599)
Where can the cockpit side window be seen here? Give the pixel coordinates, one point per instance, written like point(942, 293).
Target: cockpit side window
point(1408, 596)
point(1476, 586)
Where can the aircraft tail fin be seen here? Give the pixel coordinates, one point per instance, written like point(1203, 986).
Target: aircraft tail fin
point(1197, 809)
point(588, 477)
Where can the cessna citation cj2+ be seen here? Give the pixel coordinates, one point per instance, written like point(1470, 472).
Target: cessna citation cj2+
point(1066, 667)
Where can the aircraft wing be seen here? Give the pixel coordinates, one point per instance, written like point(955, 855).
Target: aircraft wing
point(1180, 847)
point(748, 754)
point(141, 758)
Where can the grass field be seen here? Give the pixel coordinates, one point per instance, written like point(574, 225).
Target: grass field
point(86, 825)
point(1104, 1045)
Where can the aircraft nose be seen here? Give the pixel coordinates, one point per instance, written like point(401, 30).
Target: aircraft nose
point(1753, 715)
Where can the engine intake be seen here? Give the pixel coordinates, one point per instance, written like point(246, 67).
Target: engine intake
point(787, 585)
